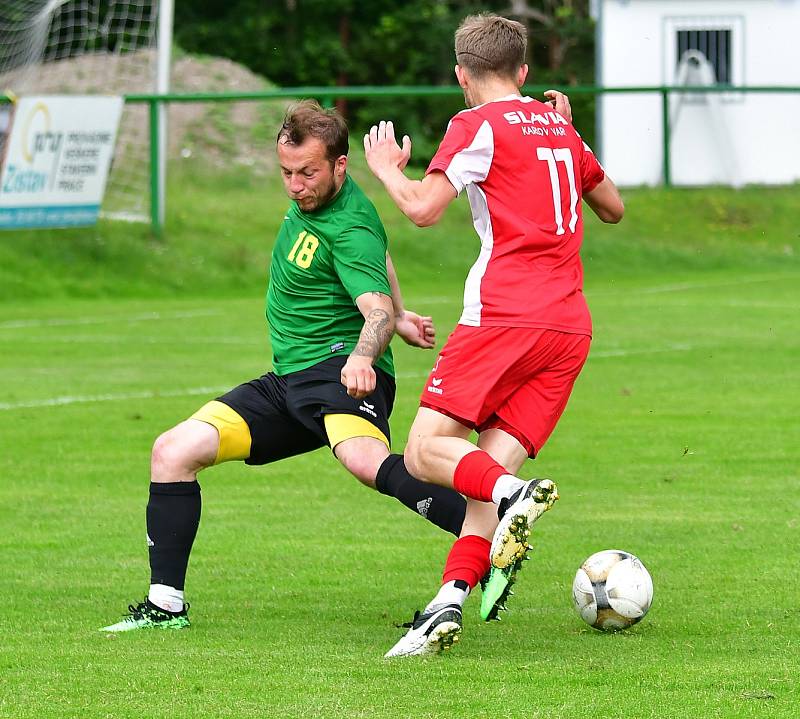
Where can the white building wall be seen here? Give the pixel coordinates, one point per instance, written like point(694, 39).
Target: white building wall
point(735, 138)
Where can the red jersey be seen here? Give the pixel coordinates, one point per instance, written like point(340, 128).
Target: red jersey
point(525, 169)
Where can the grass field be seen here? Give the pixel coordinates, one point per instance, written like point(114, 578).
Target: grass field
point(680, 445)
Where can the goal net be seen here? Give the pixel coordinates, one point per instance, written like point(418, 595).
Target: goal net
point(89, 47)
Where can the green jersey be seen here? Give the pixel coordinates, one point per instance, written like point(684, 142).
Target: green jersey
point(321, 262)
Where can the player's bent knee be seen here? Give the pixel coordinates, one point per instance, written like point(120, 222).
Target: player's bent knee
point(168, 457)
point(358, 444)
point(364, 471)
point(182, 451)
point(362, 457)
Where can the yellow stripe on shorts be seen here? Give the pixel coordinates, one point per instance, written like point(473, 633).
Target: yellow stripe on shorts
point(234, 434)
point(340, 427)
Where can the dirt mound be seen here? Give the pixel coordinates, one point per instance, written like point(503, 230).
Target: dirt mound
point(240, 132)
point(222, 133)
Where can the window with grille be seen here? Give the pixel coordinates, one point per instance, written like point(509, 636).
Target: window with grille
point(715, 44)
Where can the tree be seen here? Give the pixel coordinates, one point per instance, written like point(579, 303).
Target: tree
point(383, 42)
point(565, 25)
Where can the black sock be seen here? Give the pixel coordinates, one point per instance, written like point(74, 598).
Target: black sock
point(440, 505)
point(173, 515)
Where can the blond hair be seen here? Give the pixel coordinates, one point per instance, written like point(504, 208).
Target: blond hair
point(488, 44)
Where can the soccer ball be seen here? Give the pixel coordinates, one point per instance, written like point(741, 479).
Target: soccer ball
point(612, 590)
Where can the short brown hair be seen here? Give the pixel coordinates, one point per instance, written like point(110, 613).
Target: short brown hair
point(308, 118)
point(489, 44)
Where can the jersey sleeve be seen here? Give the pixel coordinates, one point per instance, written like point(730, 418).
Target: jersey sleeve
point(465, 153)
point(359, 258)
point(592, 172)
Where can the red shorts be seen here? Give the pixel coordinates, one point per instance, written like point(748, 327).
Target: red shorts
point(517, 379)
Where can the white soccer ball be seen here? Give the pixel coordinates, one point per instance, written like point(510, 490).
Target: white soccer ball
point(612, 590)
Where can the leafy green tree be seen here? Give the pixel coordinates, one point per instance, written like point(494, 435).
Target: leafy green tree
point(386, 42)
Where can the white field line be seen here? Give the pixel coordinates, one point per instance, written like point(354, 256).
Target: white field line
point(134, 340)
point(142, 317)
point(115, 397)
point(684, 286)
point(233, 341)
point(259, 342)
point(454, 299)
point(214, 391)
point(605, 354)
point(740, 304)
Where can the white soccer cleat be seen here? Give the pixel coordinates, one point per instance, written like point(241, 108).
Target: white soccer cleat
point(430, 633)
point(517, 514)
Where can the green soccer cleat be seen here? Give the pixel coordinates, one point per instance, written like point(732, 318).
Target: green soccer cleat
point(147, 615)
point(496, 589)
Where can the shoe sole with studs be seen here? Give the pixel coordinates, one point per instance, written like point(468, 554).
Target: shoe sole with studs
point(510, 543)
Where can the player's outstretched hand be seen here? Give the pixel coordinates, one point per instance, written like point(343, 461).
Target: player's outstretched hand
point(382, 151)
point(358, 376)
point(415, 330)
point(560, 103)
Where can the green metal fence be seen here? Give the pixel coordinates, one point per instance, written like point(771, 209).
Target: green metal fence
point(327, 95)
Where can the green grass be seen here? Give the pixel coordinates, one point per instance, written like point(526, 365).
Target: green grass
point(679, 444)
point(220, 227)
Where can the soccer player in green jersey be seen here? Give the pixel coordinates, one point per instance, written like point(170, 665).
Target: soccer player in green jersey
point(333, 305)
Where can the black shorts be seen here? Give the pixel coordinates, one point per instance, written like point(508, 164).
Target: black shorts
point(285, 414)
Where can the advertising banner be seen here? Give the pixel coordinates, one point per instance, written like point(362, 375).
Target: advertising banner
point(56, 153)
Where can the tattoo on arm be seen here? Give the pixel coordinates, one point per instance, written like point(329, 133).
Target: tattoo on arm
point(375, 335)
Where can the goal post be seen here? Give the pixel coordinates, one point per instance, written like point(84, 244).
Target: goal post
point(87, 47)
point(166, 13)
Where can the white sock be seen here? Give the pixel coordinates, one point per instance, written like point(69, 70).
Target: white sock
point(166, 597)
point(450, 594)
point(505, 486)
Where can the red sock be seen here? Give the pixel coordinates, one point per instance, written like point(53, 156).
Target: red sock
point(468, 560)
point(476, 474)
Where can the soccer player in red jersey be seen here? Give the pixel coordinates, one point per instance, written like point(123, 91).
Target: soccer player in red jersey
point(508, 368)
